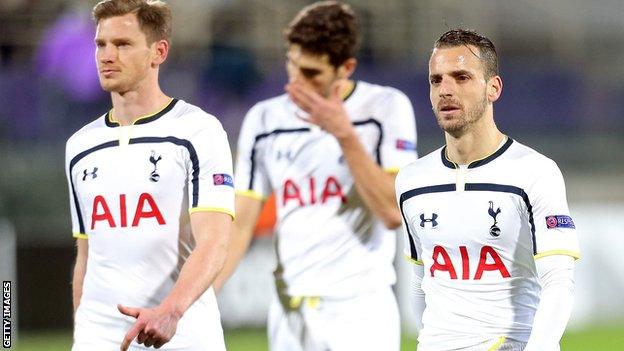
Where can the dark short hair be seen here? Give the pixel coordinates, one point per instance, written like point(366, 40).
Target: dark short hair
point(154, 15)
point(325, 27)
point(463, 37)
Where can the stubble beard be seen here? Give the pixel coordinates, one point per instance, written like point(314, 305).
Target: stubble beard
point(463, 122)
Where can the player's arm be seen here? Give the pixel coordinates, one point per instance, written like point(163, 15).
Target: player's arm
point(248, 210)
point(375, 186)
point(418, 294)
point(80, 269)
point(156, 326)
point(556, 274)
point(556, 246)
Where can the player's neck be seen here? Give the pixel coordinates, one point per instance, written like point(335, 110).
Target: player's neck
point(132, 105)
point(482, 140)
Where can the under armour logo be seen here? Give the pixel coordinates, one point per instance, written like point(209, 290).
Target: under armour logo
point(431, 220)
point(494, 229)
point(92, 174)
point(284, 154)
point(154, 176)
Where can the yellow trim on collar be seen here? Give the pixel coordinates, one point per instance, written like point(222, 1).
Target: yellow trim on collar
point(113, 120)
point(80, 236)
point(250, 193)
point(212, 209)
point(576, 255)
point(411, 260)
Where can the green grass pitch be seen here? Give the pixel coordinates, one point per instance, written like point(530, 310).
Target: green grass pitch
point(605, 338)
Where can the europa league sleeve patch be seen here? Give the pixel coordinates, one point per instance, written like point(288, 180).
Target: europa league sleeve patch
point(223, 179)
point(559, 221)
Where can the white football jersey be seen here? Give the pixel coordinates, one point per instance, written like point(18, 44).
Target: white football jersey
point(132, 189)
point(478, 229)
point(327, 242)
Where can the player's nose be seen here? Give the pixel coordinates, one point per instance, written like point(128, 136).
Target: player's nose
point(446, 87)
point(106, 53)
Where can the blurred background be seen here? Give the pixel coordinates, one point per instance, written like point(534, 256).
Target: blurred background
point(562, 64)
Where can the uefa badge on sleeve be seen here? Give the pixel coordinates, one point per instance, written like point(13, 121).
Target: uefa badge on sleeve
point(559, 221)
point(223, 179)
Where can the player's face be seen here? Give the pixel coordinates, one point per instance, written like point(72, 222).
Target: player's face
point(122, 54)
point(458, 89)
point(312, 70)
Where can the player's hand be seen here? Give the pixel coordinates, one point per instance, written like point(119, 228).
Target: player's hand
point(153, 326)
point(328, 113)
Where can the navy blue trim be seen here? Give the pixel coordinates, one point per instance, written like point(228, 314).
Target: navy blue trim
point(181, 142)
point(110, 123)
point(415, 192)
point(508, 189)
point(493, 156)
point(262, 136)
point(306, 129)
point(72, 163)
point(450, 164)
point(468, 187)
point(446, 161)
point(192, 155)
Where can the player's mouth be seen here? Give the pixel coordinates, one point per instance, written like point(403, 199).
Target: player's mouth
point(448, 109)
point(108, 72)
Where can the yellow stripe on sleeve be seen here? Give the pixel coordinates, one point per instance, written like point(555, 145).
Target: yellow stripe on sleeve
point(80, 236)
point(411, 260)
point(498, 344)
point(392, 170)
point(212, 209)
point(250, 193)
point(576, 255)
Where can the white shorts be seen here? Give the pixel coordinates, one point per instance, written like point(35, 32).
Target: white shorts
point(369, 321)
point(198, 330)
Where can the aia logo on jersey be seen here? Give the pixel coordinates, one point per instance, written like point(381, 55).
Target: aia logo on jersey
point(306, 194)
point(432, 220)
point(494, 229)
point(92, 174)
point(489, 261)
point(146, 208)
point(154, 176)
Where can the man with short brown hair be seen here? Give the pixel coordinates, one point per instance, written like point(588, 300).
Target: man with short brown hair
point(329, 149)
point(151, 197)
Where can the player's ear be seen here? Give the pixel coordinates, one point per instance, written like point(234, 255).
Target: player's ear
point(494, 88)
point(160, 51)
point(346, 69)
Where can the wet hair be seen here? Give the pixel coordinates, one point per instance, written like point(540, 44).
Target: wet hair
point(464, 37)
point(325, 27)
point(154, 15)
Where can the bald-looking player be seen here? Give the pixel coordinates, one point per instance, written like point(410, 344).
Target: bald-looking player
point(486, 218)
point(328, 149)
point(151, 198)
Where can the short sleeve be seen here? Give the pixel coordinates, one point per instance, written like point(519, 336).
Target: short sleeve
point(78, 229)
point(250, 178)
point(555, 231)
point(398, 147)
point(210, 181)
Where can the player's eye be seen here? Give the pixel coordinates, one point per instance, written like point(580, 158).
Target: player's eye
point(310, 73)
point(434, 80)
